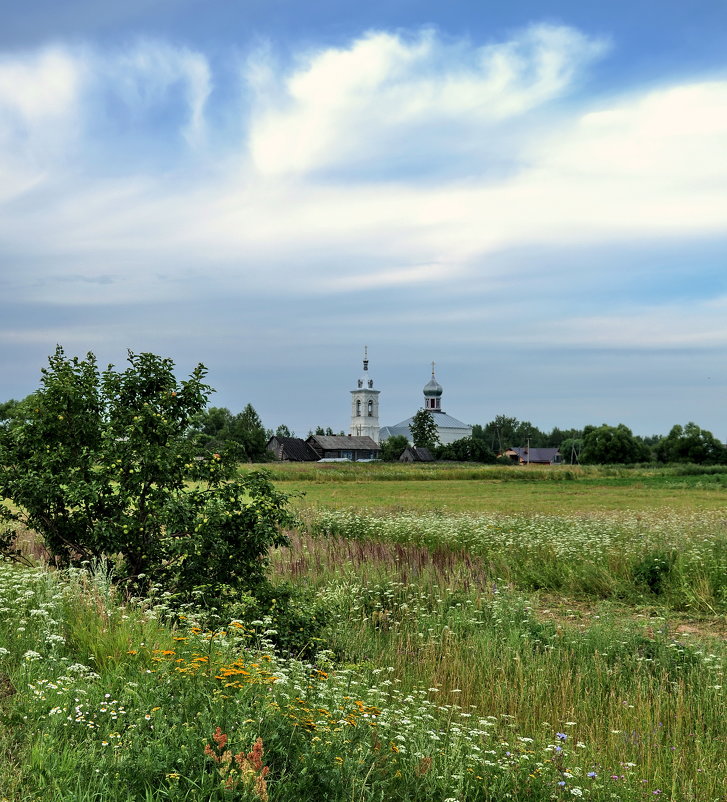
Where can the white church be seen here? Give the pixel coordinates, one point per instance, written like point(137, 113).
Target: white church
point(365, 412)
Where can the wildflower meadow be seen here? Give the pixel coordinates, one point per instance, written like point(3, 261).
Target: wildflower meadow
point(455, 657)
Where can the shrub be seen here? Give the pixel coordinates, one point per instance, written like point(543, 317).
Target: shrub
point(99, 464)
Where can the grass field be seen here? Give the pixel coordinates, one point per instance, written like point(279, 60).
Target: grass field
point(489, 634)
point(456, 488)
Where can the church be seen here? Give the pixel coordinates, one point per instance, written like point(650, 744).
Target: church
point(365, 412)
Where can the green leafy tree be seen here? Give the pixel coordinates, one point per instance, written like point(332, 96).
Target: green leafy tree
point(557, 437)
point(98, 464)
point(466, 449)
point(691, 444)
point(423, 429)
point(505, 432)
point(608, 445)
point(392, 448)
point(570, 449)
point(7, 410)
point(284, 431)
point(247, 431)
point(327, 432)
point(211, 428)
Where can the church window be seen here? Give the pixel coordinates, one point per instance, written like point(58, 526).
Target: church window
point(371, 408)
point(358, 406)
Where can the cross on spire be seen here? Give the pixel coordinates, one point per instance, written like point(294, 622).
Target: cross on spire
point(432, 368)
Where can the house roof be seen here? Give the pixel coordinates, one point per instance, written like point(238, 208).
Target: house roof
point(443, 421)
point(419, 454)
point(343, 442)
point(295, 448)
point(536, 454)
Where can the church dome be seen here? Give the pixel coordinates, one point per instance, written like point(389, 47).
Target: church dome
point(432, 389)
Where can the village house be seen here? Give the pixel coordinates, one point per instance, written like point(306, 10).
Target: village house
point(344, 447)
point(414, 454)
point(291, 449)
point(534, 456)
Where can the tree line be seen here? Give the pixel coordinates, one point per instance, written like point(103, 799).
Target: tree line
point(598, 445)
point(242, 436)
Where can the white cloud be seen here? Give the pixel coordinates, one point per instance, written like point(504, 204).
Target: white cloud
point(50, 101)
point(42, 87)
point(39, 106)
point(384, 91)
point(595, 171)
point(672, 131)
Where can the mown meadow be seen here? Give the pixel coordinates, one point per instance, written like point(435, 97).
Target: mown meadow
point(464, 634)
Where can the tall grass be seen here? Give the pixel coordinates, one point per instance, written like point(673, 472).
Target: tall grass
point(439, 693)
point(681, 558)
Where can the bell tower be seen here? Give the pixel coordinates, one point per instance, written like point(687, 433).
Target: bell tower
point(365, 405)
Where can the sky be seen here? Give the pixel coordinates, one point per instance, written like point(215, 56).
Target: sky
point(533, 195)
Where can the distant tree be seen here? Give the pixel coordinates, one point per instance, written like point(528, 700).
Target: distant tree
point(392, 448)
point(211, 428)
point(691, 444)
point(478, 433)
point(247, 431)
point(466, 449)
point(556, 437)
point(7, 410)
point(327, 432)
point(570, 449)
point(608, 445)
point(507, 432)
point(500, 432)
point(423, 429)
point(284, 431)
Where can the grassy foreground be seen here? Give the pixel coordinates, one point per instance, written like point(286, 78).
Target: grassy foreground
point(468, 656)
point(452, 696)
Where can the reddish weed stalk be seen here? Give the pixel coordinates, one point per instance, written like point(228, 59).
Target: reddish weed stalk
point(240, 769)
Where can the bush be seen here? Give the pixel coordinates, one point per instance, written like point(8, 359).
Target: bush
point(99, 464)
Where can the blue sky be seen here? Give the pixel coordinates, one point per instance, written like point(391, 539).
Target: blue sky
point(533, 194)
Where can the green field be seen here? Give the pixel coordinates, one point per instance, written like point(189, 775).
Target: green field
point(483, 633)
point(457, 488)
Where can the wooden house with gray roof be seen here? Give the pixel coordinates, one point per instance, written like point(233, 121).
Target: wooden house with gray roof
point(291, 449)
point(343, 447)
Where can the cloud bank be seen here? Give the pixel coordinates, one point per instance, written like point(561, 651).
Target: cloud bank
point(468, 175)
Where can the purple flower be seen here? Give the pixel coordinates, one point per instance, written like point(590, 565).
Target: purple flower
point(592, 774)
point(561, 736)
point(561, 783)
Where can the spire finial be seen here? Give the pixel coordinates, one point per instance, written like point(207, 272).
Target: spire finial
point(432, 368)
point(366, 357)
